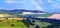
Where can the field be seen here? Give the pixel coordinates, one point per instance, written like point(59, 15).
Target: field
point(18, 23)
point(11, 23)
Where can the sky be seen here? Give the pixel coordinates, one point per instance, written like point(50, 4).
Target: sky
point(43, 5)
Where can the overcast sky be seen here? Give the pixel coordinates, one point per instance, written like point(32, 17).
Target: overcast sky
point(44, 5)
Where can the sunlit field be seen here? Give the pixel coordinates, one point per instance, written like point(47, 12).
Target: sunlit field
point(12, 23)
point(20, 23)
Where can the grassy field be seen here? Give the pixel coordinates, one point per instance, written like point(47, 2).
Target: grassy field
point(8, 23)
point(11, 27)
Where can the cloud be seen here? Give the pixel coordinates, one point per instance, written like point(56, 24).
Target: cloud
point(55, 5)
point(13, 1)
point(50, 1)
point(40, 2)
point(37, 5)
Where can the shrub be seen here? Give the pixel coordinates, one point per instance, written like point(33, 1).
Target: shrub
point(37, 26)
point(33, 21)
point(6, 18)
point(18, 20)
point(12, 25)
point(0, 20)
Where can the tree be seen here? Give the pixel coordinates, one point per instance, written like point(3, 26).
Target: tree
point(37, 26)
point(27, 21)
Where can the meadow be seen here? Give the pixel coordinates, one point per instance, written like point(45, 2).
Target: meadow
point(20, 23)
point(12, 23)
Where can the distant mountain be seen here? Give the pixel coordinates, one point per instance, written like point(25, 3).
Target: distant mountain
point(19, 11)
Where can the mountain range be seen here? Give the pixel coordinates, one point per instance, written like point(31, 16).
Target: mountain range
point(19, 11)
